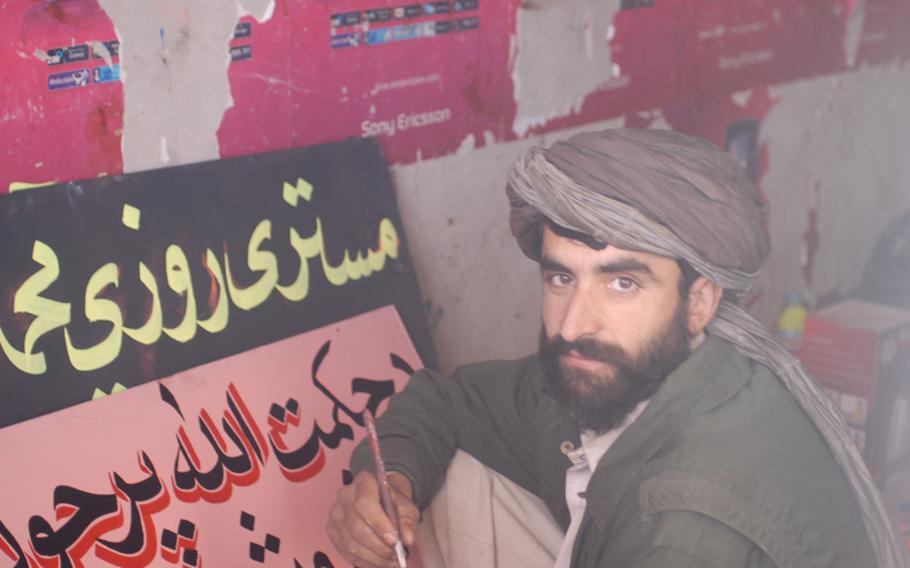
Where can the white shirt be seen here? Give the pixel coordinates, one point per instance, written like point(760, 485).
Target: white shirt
point(584, 462)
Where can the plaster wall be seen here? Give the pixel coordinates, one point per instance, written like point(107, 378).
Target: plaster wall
point(835, 144)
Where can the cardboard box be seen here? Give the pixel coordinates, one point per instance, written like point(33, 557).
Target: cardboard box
point(860, 353)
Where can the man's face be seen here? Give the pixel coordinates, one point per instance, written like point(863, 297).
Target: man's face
point(614, 326)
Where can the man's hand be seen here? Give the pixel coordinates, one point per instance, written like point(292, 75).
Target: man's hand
point(360, 529)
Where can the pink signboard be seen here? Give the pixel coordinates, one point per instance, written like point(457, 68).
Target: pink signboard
point(187, 355)
point(232, 463)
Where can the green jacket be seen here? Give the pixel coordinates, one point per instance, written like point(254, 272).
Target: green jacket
point(721, 470)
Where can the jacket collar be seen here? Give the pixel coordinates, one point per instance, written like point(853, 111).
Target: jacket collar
point(713, 374)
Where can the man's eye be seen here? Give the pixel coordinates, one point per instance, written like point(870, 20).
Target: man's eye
point(623, 284)
point(559, 279)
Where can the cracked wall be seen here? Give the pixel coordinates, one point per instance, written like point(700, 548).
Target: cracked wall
point(174, 61)
point(832, 144)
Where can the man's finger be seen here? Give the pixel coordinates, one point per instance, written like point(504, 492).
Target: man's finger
point(408, 513)
point(357, 543)
point(351, 534)
point(408, 519)
point(375, 524)
point(368, 506)
point(363, 557)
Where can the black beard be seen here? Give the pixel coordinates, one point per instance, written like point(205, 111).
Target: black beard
point(601, 403)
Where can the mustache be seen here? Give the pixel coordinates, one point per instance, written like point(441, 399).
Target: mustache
point(586, 347)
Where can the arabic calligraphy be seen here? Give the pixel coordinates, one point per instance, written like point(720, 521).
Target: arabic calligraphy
point(239, 448)
point(48, 313)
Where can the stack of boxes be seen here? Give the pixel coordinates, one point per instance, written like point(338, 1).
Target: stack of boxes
point(860, 353)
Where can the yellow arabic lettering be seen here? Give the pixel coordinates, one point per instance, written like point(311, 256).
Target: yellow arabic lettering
point(388, 245)
point(218, 321)
point(181, 281)
point(49, 314)
point(99, 309)
point(258, 260)
point(360, 266)
point(306, 248)
point(150, 332)
point(224, 290)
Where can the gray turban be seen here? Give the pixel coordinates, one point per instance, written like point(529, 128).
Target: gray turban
point(669, 194)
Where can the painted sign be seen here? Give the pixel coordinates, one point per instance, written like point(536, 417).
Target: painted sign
point(129, 279)
point(187, 355)
point(232, 463)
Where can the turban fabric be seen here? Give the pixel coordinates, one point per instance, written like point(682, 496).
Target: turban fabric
point(665, 193)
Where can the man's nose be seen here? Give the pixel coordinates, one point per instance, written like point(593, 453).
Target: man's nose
point(578, 319)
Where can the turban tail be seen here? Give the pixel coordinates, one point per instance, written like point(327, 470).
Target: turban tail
point(665, 193)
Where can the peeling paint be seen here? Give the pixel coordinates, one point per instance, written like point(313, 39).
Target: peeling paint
point(101, 50)
point(165, 155)
point(261, 10)
point(466, 147)
point(549, 35)
point(589, 36)
point(846, 135)
point(741, 98)
point(180, 89)
point(855, 23)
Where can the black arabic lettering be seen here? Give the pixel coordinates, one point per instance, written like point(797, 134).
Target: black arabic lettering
point(87, 516)
point(145, 497)
point(10, 546)
point(215, 485)
point(320, 560)
point(307, 460)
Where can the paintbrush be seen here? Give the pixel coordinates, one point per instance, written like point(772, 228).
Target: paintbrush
point(384, 492)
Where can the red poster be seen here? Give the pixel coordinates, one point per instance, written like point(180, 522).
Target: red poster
point(61, 101)
point(678, 51)
point(424, 77)
point(421, 76)
point(884, 35)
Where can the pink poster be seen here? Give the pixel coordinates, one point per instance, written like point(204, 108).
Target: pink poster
point(232, 463)
point(884, 33)
point(679, 52)
point(61, 101)
point(421, 76)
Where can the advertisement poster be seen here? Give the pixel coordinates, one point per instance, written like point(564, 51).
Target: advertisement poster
point(61, 100)
point(188, 353)
point(421, 76)
point(425, 78)
point(666, 52)
point(884, 36)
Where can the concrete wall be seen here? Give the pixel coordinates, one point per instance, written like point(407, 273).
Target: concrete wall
point(844, 134)
point(835, 143)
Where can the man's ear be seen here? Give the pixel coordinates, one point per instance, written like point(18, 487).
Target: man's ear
point(704, 297)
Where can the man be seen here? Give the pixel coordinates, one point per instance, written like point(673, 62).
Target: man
point(658, 426)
